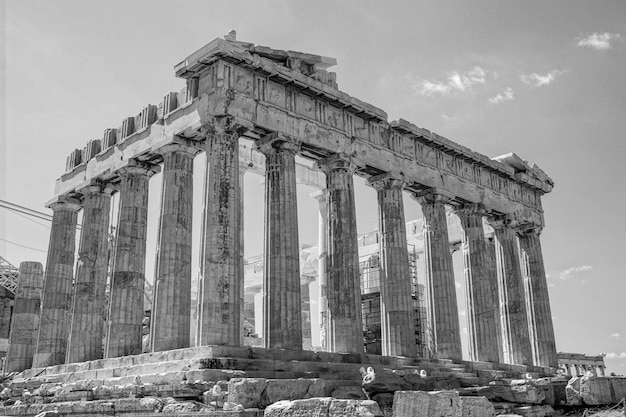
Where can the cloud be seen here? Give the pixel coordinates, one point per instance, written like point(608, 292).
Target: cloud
point(599, 41)
point(506, 95)
point(538, 80)
point(616, 335)
point(569, 273)
point(455, 82)
point(614, 355)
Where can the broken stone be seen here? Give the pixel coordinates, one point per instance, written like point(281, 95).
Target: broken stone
point(595, 390)
point(618, 385)
point(431, 404)
point(476, 407)
point(310, 407)
point(246, 391)
point(572, 391)
point(354, 408)
point(284, 389)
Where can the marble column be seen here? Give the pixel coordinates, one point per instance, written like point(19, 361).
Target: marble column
point(322, 271)
point(282, 326)
point(481, 286)
point(25, 320)
point(56, 298)
point(305, 296)
point(89, 308)
point(243, 168)
point(126, 307)
point(171, 311)
point(222, 274)
point(396, 302)
point(601, 370)
point(343, 286)
point(542, 330)
point(443, 311)
point(514, 315)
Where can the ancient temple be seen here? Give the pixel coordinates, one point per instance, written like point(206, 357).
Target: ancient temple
point(288, 104)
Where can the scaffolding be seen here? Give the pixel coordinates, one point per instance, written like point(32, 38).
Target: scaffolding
point(8, 275)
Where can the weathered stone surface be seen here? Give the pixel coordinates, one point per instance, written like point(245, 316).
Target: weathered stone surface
point(316, 389)
point(618, 385)
point(311, 407)
point(246, 391)
point(572, 392)
point(520, 394)
point(596, 390)
point(57, 287)
point(431, 404)
point(284, 389)
point(25, 319)
point(476, 407)
point(354, 408)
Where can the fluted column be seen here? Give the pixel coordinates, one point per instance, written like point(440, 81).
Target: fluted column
point(243, 168)
point(222, 277)
point(25, 320)
point(443, 313)
point(343, 286)
point(56, 302)
point(542, 330)
point(282, 327)
point(396, 303)
point(171, 312)
point(89, 308)
point(481, 286)
point(514, 315)
point(126, 307)
point(322, 268)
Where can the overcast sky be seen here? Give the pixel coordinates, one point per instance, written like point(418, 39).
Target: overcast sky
point(543, 79)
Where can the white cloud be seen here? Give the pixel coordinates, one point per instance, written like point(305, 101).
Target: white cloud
point(455, 82)
point(538, 80)
point(570, 272)
point(506, 95)
point(599, 41)
point(616, 335)
point(614, 355)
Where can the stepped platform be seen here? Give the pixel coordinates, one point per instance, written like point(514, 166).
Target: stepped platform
point(183, 380)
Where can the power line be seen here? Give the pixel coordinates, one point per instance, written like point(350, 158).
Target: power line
point(25, 210)
point(23, 246)
point(30, 220)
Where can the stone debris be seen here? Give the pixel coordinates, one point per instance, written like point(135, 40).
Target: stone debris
point(592, 390)
point(324, 407)
point(426, 404)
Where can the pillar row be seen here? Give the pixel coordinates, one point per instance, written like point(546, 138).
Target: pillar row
point(513, 312)
point(171, 310)
point(54, 321)
point(281, 277)
point(443, 312)
point(343, 286)
point(542, 330)
point(25, 320)
point(89, 307)
point(481, 286)
point(126, 307)
point(396, 303)
point(222, 275)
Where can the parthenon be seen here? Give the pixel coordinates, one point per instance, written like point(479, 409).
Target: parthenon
point(288, 104)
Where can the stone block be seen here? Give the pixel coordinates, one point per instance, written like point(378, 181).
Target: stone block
point(246, 391)
point(618, 385)
point(558, 387)
point(596, 390)
point(284, 389)
point(476, 407)
point(426, 404)
point(311, 407)
point(316, 389)
point(354, 408)
point(572, 392)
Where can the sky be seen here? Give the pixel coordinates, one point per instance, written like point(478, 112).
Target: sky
point(543, 79)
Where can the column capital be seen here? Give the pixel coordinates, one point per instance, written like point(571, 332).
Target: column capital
point(506, 221)
point(225, 124)
point(133, 166)
point(338, 162)
point(64, 202)
point(386, 181)
point(433, 195)
point(97, 187)
point(277, 141)
point(529, 229)
point(180, 145)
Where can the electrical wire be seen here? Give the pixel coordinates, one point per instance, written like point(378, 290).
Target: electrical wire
point(22, 246)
